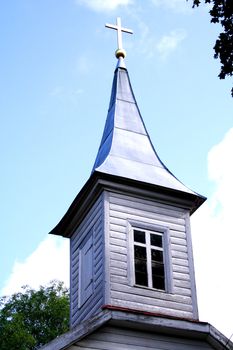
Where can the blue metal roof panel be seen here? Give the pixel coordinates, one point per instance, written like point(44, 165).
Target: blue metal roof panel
point(126, 149)
point(142, 172)
point(133, 146)
point(133, 123)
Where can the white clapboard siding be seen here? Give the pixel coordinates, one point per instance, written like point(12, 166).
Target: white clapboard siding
point(160, 208)
point(116, 271)
point(124, 209)
point(115, 338)
point(92, 224)
point(159, 297)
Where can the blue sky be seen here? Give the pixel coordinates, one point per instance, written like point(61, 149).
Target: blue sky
point(56, 65)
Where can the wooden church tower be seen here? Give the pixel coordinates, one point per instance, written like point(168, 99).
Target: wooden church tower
point(131, 260)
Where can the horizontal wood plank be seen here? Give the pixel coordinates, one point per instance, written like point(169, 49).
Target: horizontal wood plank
point(126, 209)
point(149, 292)
point(91, 225)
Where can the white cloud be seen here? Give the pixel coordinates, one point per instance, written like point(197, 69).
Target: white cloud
point(104, 5)
point(150, 46)
point(169, 42)
point(178, 6)
point(213, 241)
point(48, 262)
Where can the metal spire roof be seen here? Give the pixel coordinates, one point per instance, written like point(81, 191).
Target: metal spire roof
point(126, 149)
point(126, 159)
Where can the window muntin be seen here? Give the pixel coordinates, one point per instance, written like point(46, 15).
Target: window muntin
point(149, 270)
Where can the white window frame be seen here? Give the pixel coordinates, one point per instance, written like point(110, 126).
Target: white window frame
point(148, 229)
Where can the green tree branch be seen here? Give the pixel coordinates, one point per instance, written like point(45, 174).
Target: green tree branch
point(222, 12)
point(32, 318)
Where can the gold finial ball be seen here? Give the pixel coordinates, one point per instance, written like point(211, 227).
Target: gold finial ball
point(120, 53)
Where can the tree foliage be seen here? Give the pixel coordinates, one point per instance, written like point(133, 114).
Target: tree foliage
point(222, 12)
point(32, 318)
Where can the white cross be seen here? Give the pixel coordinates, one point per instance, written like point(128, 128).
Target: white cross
point(119, 29)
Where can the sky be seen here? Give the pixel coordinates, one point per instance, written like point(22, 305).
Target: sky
point(56, 69)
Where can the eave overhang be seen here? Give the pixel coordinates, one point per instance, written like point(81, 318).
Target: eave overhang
point(149, 323)
point(98, 182)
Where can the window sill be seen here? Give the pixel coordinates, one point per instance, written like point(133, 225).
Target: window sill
point(150, 288)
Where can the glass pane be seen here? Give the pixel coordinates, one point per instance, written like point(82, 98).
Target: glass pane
point(140, 266)
point(157, 266)
point(157, 269)
point(156, 240)
point(139, 236)
point(158, 282)
point(139, 252)
point(156, 255)
point(158, 275)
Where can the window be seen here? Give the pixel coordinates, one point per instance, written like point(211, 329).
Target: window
point(149, 258)
point(85, 271)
